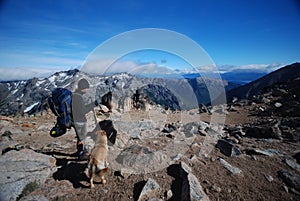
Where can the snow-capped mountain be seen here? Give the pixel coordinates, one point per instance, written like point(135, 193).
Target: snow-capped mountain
point(30, 96)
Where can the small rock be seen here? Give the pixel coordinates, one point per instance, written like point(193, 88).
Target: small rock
point(269, 178)
point(177, 157)
point(169, 194)
point(233, 140)
point(290, 179)
point(216, 188)
point(267, 152)
point(292, 163)
point(150, 190)
point(230, 168)
point(277, 104)
point(234, 99)
point(103, 108)
point(125, 172)
point(195, 145)
point(228, 148)
point(232, 109)
point(265, 100)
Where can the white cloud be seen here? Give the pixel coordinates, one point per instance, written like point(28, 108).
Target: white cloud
point(7, 74)
point(108, 66)
point(105, 66)
point(250, 67)
point(152, 68)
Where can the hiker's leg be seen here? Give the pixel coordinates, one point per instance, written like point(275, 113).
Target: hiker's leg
point(80, 130)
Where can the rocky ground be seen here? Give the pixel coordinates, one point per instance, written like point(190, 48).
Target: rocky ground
point(162, 155)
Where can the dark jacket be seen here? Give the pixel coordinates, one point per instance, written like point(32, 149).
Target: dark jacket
point(79, 109)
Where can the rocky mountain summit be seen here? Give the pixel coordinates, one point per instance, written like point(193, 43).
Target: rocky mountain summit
point(29, 97)
point(162, 154)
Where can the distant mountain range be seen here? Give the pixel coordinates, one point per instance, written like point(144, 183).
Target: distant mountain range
point(252, 88)
point(30, 96)
point(242, 77)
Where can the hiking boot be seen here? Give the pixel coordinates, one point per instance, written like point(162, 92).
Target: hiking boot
point(83, 155)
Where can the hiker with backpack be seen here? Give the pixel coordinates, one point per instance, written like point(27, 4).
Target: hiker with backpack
point(79, 111)
point(70, 110)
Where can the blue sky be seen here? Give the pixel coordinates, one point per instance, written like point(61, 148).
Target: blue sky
point(60, 34)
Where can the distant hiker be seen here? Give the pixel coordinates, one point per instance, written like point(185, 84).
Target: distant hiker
point(79, 110)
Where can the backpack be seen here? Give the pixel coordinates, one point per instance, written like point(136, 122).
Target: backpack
point(106, 100)
point(60, 104)
point(111, 132)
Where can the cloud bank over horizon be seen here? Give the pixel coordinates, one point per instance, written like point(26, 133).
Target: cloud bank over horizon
point(12, 74)
point(132, 67)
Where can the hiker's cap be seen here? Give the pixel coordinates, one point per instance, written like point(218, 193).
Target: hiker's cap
point(83, 84)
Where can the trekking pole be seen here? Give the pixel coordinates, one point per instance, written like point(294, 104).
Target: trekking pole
point(95, 117)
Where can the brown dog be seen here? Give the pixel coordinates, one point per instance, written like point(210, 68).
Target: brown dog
point(97, 163)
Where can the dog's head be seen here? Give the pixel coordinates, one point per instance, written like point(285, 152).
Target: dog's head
point(101, 136)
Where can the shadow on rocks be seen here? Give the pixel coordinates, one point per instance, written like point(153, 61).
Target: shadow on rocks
point(138, 187)
point(175, 171)
point(71, 170)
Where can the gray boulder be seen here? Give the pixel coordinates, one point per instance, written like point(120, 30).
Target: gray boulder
point(191, 188)
point(228, 148)
point(150, 190)
point(21, 169)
